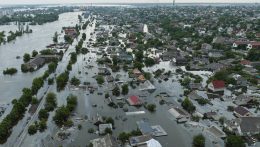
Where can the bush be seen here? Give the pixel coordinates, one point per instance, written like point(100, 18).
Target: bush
point(26, 57)
point(123, 137)
point(62, 80)
point(71, 102)
point(90, 130)
point(235, 141)
point(188, 106)
point(50, 81)
point(52, 67)
point(151, 107)
point(42, 125)
point(110, 120)
point(149, 62)
point(51, 101)
point(61, 116)
point(43, 114)
point(100, 79)
point(198, 141)
point(32, 129)
point(75, 81)
point(10, 71)
point(203, 101)
point(37, 84)
point(25, 69)
point(125, 89)
point(34, 53)
point(108, 131)
point(34, 101)
point(79, 126)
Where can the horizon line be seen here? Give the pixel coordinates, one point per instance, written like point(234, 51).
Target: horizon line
point(133, 3)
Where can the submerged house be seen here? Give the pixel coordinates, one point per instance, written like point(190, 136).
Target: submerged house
point(40, 60)
point(106, 141)
point(144, 141)
point(217, 86)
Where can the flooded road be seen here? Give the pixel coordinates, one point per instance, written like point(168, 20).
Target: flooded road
point(11, 86)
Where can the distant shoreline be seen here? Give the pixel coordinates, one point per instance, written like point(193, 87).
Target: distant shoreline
point(130, 4)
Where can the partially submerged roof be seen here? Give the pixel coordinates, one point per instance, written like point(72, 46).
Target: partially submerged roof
point(216, 132)
point(145, 127)
point(218, 84)
point(106, 141)
point(241, 110)
point(139, 140)
point(250, 124)
point(178, 112)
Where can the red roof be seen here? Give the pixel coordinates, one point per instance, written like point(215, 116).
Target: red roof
point(241, 42)
point(245, 62)
point(255, 43)
point(218, 84)
point(134, 100)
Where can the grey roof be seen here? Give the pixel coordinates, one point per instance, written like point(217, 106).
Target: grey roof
point(242, 99)
point(107, 141)
point(193, 95)
point(216, 131)
point(250, 124)
point(144, 127)
point(36, 62)
point(139, 140)
point(241, 110)
point(103, 127)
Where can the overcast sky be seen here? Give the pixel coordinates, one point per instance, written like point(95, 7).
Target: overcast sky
point(121, 1)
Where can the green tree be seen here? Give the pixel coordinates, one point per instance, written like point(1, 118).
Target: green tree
point(149, 62)
point(151, 107)
point(10, 71)
point(43, 114)
point(188, 106)
point(123, 137)
point(75, 81)
point(110, 120)
point(50, 81)
point(52, 67)
point(34, 53)
point(72, 102)
point(100, 79)
point(139, 55)
point(108, 131)
point(147, 75)
point(138, 65)
point(32, 129)
point(42, 125)
point(61, 116)
point(125, 89)
point(26, 57)
point(62, 80)
point(51, 101)
point(37, 84)
point(84, 36)
point(235, 141)
point(73, 57)
point(198, 141)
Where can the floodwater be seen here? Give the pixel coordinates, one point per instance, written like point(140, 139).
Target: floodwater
point(11, 86)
